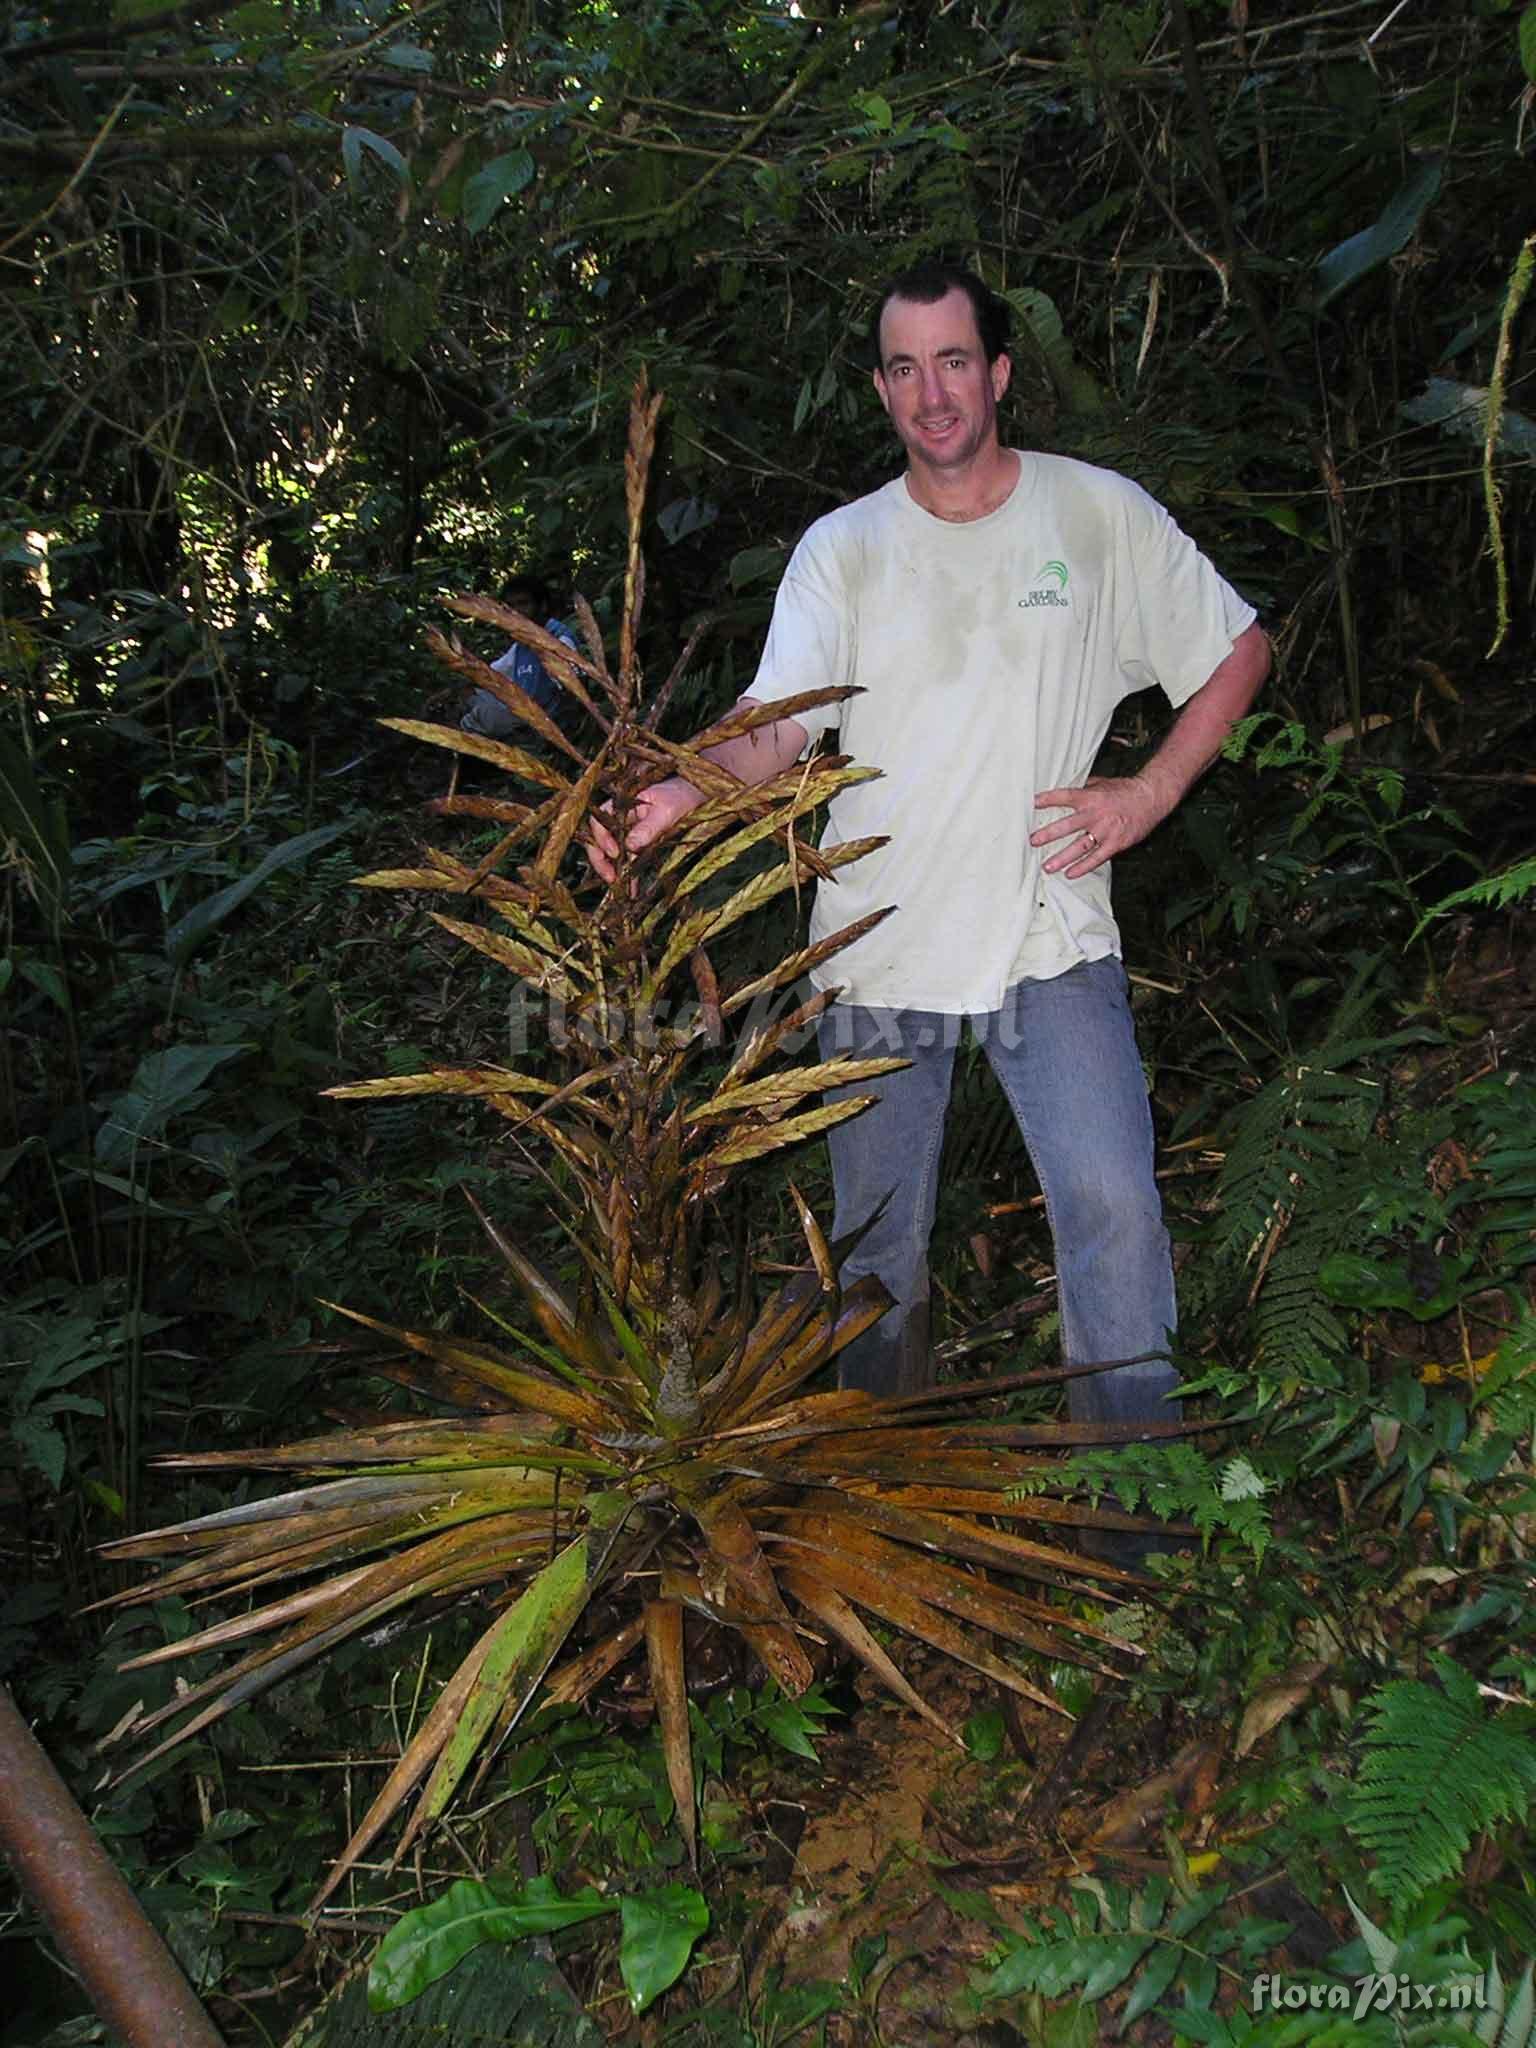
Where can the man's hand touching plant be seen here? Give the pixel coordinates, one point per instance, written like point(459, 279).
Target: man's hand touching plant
point(752, 758)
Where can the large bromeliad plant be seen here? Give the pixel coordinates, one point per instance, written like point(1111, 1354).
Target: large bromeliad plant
point(651, 1437)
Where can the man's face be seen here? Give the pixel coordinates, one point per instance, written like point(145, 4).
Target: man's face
point(936, 383)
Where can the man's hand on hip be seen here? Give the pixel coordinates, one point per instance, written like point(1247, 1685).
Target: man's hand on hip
point(1107, 815)
point(1110, 813)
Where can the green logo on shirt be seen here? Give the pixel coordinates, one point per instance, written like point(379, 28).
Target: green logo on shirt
point(1053, 573)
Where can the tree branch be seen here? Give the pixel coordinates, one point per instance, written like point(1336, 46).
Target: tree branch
point(114, 31)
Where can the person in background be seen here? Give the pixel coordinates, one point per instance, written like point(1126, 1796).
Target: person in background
point(487, 716)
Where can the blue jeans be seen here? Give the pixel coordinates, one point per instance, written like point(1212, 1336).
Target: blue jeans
point(1065, 1053)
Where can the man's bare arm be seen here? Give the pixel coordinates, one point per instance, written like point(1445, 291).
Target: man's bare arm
point(1112, 812)
point(752, 757)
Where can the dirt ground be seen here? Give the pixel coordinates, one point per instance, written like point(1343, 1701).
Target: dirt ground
point(909, 1838)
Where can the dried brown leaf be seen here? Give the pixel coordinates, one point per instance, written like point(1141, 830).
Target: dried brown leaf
point(770, 1095)
point(834, 1613)
point(507, 692)
point(758, 1143)
point(801, 963)
point(1273, 1702)
point(520, 959)
point(443, 1081)
point(669, 1689)
point(574, 1680)
point(457, 741)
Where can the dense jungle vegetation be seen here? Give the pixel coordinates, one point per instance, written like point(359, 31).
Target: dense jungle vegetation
point(318, 310)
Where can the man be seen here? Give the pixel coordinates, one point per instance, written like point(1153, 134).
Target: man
point(487, 715)
point(994, 606)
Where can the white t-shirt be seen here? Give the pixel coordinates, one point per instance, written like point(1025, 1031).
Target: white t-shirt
point(992, 655)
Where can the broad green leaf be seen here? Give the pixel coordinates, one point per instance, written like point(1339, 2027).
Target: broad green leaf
point(876, 109)
point(659, 1931)
point(188, 933)
point(790, 1726)
point(424, 1945)
point(1119, 1955)
point(984, 1733)
point(1073, 2025)
point(1039, 324)
point(1380, 1946)
point(355, 140)
point(408, 57)
point(752, 565)
point(41, 1447)
point(502, 178)
point(1462, 409)
point(1153, 1981)
point(685, 516)
point(233, 1821)
point(45, 976)
point(163, 1083)
point(1527, 36)
point(530, 1633)
point(1361, 254)
point(1358, 1282)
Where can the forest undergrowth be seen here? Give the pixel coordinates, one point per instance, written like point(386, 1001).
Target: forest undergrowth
point(1333, 1711)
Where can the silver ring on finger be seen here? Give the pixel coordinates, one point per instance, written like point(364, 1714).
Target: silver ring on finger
point(1092, 840)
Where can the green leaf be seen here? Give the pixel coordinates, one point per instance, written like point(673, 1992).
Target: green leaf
point(1357, 1282)
point(233, 1821)
point(660, 1929)
point(1527, 38)
point(753, 564)
point(45, 976)
point(1040, 331)
point(984, 1733)
point(163, 1083)
point(789, 1726)
point(876, 109)
point(355, 140)
point(1377, 244)
point(188, 933)
point(1462, 410)
point(425, 1944)
point(1380, 1946)
point(41, 1447)
point(527, 1637)
point(1120, 1955)
point(1149, 1987)
point(408, 57)
point(1239, 1481)
point(502, 178)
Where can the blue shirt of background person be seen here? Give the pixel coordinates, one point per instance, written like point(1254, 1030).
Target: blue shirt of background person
point(487, 715)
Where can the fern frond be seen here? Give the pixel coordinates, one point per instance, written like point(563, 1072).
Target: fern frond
point(1173, 1481)
point(1493, 892)
point(1437, 1770)
point(1508, 1392)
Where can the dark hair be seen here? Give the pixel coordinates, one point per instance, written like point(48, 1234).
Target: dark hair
point(537, 589)
point(926, 283)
